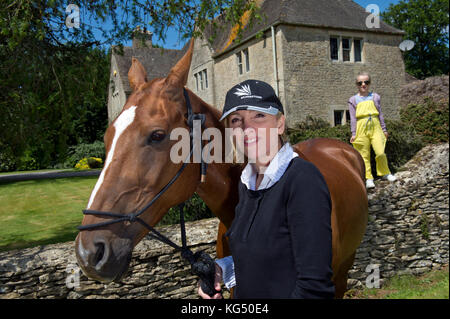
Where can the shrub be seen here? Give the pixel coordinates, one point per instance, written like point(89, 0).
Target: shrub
point(430, 120)
point(402, 144)
point(80, 151)
point(27, 162)
point(89, 163)
point(95, 162)
point(314, 127)
point(7, 160)
point(194, 209)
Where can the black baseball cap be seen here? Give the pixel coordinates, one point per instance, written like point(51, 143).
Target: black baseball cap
point(252, 95)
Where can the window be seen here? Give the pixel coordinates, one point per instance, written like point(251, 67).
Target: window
point(338, 117)
point(334, 48)
point(201, 80)
point(341, 117)
point(239, 62)
point(357, 48)
point(200, 74)
point(346, 49)
point(240, 58)
point(247, 60)
point(205, 77)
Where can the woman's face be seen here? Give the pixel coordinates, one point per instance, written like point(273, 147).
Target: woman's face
point(363, 83)
point(257, 134)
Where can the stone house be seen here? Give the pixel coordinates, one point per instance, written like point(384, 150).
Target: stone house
point(310, 51)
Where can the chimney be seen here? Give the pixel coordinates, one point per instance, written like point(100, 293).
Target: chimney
point(141, 36)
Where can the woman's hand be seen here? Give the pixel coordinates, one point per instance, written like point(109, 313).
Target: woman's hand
point(386, 134)
point(352, 139)
point(217, 281)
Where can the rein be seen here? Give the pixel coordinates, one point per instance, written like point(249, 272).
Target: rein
point(201, 263)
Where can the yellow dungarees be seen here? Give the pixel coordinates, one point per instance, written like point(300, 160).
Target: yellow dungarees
point(369, 132)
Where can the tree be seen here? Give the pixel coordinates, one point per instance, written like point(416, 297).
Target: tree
point(54, 72)
point(111, 22)
point(426, 23)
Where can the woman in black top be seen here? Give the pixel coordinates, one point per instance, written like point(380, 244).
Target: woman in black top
point(280, 239)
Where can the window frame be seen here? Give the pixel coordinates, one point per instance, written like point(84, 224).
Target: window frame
point(347, 50)
point(239, 63)
point(360, 49)
point(338, 114)
point(201, 80)
point(247, 59)
point(351, 50)
point(205, 77)
point(243, 61)
point(337, 48)
point(196, 81)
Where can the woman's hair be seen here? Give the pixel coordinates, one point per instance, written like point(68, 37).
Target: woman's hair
point(284, 137)
point(362, 74)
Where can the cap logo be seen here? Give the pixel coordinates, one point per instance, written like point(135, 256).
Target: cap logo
point(244, 92)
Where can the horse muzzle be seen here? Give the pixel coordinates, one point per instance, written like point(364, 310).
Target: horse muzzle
point(102, 257)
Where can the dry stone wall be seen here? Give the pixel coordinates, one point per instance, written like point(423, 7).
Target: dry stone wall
point(156, 270)
point(407, 233)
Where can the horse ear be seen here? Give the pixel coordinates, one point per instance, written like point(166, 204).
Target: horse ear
point(178, 75)
point(136, 74)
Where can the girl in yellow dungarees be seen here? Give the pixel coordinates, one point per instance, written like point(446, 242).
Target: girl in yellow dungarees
point(368, 129)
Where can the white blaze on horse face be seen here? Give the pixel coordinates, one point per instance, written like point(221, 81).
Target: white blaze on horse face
point(120, 125)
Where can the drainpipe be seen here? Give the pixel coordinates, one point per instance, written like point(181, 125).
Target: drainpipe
point(274, 53)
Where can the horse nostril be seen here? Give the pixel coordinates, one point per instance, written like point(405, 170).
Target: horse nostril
point(101, 255)
point(99, 252)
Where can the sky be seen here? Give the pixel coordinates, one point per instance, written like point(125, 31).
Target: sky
point(172, 41)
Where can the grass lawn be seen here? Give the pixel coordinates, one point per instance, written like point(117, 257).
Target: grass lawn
point(432, 285)
point(41, 212)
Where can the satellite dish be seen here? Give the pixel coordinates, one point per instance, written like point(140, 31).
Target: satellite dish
point(406, 45)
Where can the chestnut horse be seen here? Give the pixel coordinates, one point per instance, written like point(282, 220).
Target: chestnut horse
point(138, 166)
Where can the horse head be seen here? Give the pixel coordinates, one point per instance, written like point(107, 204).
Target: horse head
point(137, 167)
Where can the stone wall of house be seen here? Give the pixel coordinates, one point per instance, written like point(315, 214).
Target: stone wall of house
point(202, 61)
point(407, 233)
point(116, 94)
point(226, 70)
point(310, 83)
point(316, 86)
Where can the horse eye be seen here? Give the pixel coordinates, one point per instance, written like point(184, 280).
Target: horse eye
point(156, 136)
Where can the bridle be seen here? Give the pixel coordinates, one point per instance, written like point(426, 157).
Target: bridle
point(201, 263)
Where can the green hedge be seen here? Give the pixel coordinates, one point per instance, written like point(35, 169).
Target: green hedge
point(194, 209)
point(430, 120)
point(80, 151)
point(7, 159)
point(314, 127)
point(402, 144)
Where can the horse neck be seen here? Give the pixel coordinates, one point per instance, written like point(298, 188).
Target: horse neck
point(220, 190)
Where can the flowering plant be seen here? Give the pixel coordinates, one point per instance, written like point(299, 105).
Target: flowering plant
point(88, 163)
